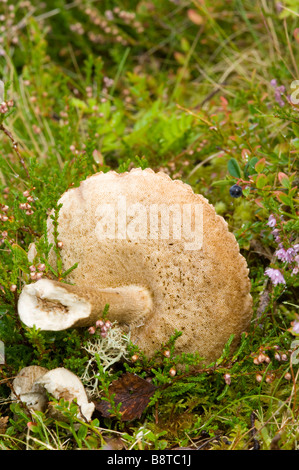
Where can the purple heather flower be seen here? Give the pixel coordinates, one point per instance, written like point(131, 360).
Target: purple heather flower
point(281, 254)
point(271, 221)
point(279, 90)
point(275, 276)
point(286, 255)
point(275, 233)
point(296, 247)
point(290, 255)
point(279, 99)
point(279, 7)
point(295, 271)
point(295, 328)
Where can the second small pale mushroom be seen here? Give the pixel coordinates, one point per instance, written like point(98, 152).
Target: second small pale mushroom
point(62, 383)
point(26, 388)
point(33, 384)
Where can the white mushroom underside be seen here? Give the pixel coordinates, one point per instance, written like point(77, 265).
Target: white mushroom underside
point(51, 308)
point(62, 383)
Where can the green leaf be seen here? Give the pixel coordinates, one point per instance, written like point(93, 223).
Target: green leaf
point(284, 180)
point(250, 167)
point(233, 168)
point(261, 181)
point(222, 183)
point(282, 197)
point(82, 432)
point(260, 165)
point(295, 128)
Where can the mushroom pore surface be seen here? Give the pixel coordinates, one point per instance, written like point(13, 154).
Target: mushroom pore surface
point(144, 229)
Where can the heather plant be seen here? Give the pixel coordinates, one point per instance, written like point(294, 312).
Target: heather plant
point(202, 91)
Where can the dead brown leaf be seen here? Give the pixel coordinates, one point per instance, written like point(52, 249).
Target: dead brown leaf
point(132, 392)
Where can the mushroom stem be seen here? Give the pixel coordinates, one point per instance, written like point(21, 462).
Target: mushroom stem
point(52, 305)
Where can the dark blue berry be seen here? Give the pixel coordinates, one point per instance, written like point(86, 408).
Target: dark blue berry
point(235, 191)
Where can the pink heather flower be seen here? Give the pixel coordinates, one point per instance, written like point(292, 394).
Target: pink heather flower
point(275, 233)
point(280, 90)
point(295, 247)
point(290, 255)
point(275, 276)
point(271, 221)
point(295, 328)
point(295, 271)
point(227, 379)
point(281, 254)
point(286, 255)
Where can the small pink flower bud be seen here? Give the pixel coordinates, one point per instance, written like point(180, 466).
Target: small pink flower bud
point(261, 358)
point(39, 275)
point(287, 376)
point(277, 356)
point(258, 377)
point(41, 267)
point(134, 358)
point(166, 353)
point(26, 193)
point(108, 324)
point(172, 372)
point(32, 268)
point(269, 378)
point(30, 424)
point(91, 330)
point(284, 357)
point(227, 379)
point(60, 244)
point(33, 276)
point(99, 323)
point(13, 288)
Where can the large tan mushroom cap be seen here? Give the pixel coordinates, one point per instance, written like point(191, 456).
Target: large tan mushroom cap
point(197, 279)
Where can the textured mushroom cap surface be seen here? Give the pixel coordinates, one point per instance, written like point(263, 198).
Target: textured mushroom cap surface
point(201, 289)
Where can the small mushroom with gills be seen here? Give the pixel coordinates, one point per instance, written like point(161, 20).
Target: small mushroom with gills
point(153, 250)
point(62, 383)
point(25, 388)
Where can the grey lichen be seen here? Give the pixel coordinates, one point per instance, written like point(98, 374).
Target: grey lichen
point(106, 352)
